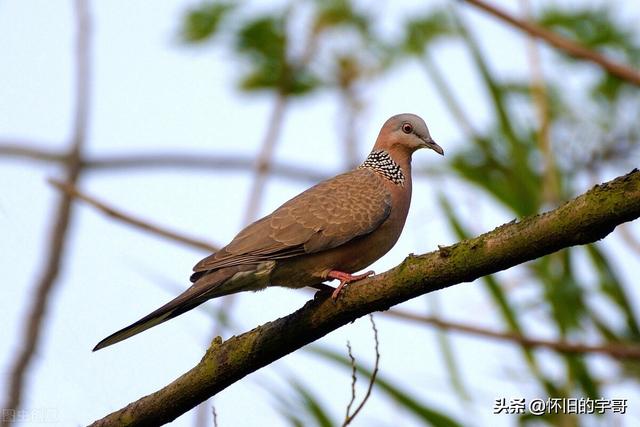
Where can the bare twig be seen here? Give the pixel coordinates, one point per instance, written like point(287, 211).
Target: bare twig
point(263, 165)
point(22, 150)
point(207, 162)
point(348, 74)
point(349, 418)
point(124, 162)
point(56, 249)
point(572, 48)
point(352, 107)
point(614, 350)
point(211, 163)
point(354, 380)
point(72, 191)
point(215, 416)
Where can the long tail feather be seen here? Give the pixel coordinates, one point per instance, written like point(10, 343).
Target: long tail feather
point(206, 288)
point(169, 311)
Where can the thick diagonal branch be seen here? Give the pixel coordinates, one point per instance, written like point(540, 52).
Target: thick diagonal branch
point(586, 219)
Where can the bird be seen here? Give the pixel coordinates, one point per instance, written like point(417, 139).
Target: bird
point(330, 231)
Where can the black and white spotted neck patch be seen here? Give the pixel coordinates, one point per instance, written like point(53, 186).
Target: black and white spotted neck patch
point(381, 162)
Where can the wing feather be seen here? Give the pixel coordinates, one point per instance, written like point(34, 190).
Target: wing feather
point(323, 217)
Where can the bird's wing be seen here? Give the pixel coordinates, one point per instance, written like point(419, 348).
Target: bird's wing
point(325, 216)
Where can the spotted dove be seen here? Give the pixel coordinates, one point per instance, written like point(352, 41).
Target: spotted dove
point(333, 229)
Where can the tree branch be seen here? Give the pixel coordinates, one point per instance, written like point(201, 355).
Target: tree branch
point(206, 162)
point(36, 152)
point(586, 219)
point(614, 350)
point(178, 160)
point(265, 158)
point(56, 245)
point(72, 191)
point(572, 48)
point(349, 417)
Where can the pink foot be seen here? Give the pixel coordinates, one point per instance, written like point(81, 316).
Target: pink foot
point(345, 278)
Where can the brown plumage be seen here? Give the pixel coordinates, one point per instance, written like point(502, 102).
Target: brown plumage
point(333, 229)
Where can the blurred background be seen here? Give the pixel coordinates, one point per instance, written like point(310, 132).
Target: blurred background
point(198, 117)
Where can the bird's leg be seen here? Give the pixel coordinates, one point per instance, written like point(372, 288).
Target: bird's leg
point(322, 289)
point(345, 278)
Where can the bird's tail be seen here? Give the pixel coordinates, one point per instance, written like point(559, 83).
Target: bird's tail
point(189, 299)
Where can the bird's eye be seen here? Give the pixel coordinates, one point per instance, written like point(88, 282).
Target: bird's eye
point(407, 128)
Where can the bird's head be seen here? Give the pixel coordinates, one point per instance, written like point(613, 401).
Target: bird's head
point(404, 134)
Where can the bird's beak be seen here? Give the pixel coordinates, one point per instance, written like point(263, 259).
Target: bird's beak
point(430, 143)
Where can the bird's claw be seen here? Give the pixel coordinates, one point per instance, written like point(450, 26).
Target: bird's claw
point(345, 279)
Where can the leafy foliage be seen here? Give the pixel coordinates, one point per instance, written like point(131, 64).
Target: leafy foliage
point(203, 21)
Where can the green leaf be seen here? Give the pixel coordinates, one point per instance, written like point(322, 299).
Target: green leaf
point(496, 173)
point(561, 290)
point(264, 42)
point(446, 349)
point(334, 13)
point(424, 30)
point(613, 289)
point(202, 21)
point(579, 372)
point(312, 404)
point(300, 407)
point(263, 38)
